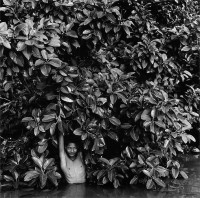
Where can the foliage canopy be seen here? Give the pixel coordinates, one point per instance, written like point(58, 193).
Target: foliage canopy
point(106, 70)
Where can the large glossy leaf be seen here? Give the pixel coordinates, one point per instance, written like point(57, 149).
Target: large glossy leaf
point(113, 135)
point(45, 69)
point(67, 99)
point(126, 126)
point(104, 160)
point(55, 62)
point(54, 42)
point(8, 178)
point(36, 131)
point(53, 128)
point(49, 117)
point(191, 137)
point(72, 33)
point(134, 180)
point(100, 174)
point(37, 161)
point(147, 173)
point(3, 26)
point(127, 30)
point(183, 174)
point(110, 175)
point(6, 44)
point(27, 119)
point(111, 17)
point(145, 115)
point(113, 161)
point(153, 113)
point(179, 147)
point(160, 124)
point(39, 62)
point(16, 59)
point(185, 48)
point(141, 159)
point(31, 175)
point(48, 162)
point(187, 125)
point(175, 172)
point(42, 148)
point(116, 183)
point(134, 134)
point(44, 54)
point(159, 182)
point(43, 180)
point(53, 176)
point(150, 184)
point(27, 52)
point(138, 116)
point(78, 131)
point(161, 169)
point(115, 121)
point(105, 180)
point(101, 142)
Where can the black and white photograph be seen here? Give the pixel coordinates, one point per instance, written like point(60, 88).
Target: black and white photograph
point(99, 98)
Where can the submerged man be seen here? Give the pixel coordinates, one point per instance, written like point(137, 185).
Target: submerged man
point(71, 161)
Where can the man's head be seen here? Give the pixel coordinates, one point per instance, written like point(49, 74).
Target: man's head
point(71, 148)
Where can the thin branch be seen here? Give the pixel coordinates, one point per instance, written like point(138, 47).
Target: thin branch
point(8, 103)
point(4, 99)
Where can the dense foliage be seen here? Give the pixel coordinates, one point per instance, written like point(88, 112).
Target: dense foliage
point(113, 72)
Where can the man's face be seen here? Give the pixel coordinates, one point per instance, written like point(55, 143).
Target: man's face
point(71, 150)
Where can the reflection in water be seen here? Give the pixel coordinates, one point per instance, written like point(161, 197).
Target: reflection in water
point(176, 188)
point(72, 191)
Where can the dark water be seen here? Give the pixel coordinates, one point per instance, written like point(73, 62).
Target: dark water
point(189, 188)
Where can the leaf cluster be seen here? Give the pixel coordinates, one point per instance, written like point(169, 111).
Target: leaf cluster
point(102, 70)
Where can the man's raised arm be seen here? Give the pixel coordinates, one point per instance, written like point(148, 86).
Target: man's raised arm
point(62, 150)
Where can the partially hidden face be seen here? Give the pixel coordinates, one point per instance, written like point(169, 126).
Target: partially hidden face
point(71, 150)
